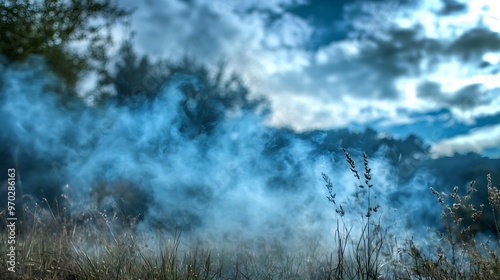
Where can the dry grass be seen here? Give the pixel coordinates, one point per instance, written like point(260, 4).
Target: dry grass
point(458, 254)
point(101, 247)
point(358, 255)
point(51, 245)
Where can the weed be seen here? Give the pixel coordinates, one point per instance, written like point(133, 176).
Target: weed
point(358, 257)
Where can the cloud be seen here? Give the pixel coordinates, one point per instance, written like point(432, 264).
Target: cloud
point(477, 140)
point(166, 28)
point(420, 56)
point(474, 43)
point(251, 36)
point(451, 7)
point(466, 97)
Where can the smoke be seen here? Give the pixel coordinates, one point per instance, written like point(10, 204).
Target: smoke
point(241, 181)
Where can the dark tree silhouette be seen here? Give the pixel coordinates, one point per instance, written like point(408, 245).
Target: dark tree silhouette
point(47, 28)
point(209, 98)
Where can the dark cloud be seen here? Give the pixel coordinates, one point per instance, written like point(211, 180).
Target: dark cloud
point(326, 17)
point(467, 97)
point(452, 7)
point(373, 72)
point(474, 43)
point(400, 53)
point(429, 90)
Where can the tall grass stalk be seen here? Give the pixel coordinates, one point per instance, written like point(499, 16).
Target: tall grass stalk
point(363, 261)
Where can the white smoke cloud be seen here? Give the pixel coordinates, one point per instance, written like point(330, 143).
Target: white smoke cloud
point(244, 181)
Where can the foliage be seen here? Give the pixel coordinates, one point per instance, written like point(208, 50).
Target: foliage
point(213, 96)
point(51, 28)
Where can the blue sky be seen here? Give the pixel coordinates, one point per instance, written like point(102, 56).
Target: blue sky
point(427, 67)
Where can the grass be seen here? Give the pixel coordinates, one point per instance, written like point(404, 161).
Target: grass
point(357, 257)
point(101, 247)
point(459, 254)
point(51, 245)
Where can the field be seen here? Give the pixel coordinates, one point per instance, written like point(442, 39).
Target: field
point(52, 245)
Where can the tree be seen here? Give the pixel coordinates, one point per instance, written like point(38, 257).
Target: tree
point(49, 27)
point(137, 79)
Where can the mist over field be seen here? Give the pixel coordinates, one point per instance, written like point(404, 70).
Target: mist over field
point(241, 180)
point(225, 121)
